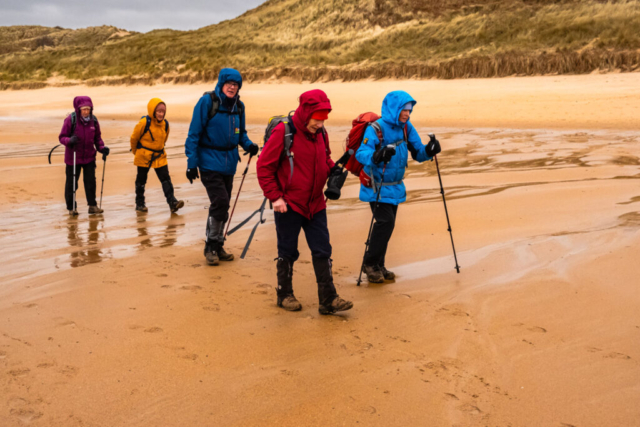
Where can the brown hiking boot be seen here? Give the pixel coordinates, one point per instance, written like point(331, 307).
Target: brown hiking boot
point(224, 255)
point(338, 304)
point(141, 208)
point(388, 275)
point(73, 213)
point(93, 210)
point(289, 303)
point(210, 254)
point(374, 275)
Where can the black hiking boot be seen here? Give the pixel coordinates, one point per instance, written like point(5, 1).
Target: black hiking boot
point(338, 304)
point(388, 275)
point(329, 301)
point(175, 205)
point(286, 299)
point(222, 254)
point(212, 244)
point(211, 254)
point(140, 205)
point(374, 275)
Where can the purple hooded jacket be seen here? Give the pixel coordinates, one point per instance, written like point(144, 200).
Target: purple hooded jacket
point(88, 132)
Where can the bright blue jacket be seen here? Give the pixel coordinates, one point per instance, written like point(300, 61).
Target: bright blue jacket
point(224, 130)
point(393, 133)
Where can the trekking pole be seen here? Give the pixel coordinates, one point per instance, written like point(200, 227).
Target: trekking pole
point(373, 216)
point(52, 150)
point(75, 210)
point(244, 174)
point(447, 213)
point(104, 167)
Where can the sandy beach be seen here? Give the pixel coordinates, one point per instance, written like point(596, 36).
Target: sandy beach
point(116, 320)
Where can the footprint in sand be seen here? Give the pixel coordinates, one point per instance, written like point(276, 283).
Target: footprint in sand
point(537, 329)
point(31, 305)
point(20, 372)
point(215, 307)
point(191, 287)
point(157, 275)
point(614, 355)
point(26, 415)
point(3, 354)
point(191, 356)
point(45, 365)
point(153, 330)
point(69, 371)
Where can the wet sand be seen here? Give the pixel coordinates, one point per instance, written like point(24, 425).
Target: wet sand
point(116, 320)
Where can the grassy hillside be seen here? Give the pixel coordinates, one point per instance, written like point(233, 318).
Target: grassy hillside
point(342, 39)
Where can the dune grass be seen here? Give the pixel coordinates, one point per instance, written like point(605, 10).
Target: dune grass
point(345, 39)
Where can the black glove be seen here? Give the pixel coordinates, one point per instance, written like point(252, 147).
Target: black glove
point(433, 147)
point(335, 183)
point(335, 170)
point(253, 149)
point(105, 152)
point(73, 141)
point(384, 154)
point(192, 174)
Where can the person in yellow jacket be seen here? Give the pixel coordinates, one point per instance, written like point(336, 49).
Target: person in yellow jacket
point(147, 145)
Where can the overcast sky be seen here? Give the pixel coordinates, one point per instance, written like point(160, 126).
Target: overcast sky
point(133, 15)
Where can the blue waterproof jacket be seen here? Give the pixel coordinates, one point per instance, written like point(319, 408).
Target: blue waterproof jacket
point(393, 190)
point(225, 130)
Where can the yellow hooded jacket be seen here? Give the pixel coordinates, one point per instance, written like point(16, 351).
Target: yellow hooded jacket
point(155, 139)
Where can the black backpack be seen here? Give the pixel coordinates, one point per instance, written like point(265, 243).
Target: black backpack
point(289, 131)
point(215, 109)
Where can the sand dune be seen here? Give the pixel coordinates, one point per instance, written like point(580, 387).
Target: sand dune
point(116, 320)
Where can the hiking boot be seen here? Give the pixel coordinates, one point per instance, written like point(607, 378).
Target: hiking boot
point(73, 213)
point(93, 210)
point(210, 254)
point(338, 304)
point(374, 275)
point(224, 255)
point(388, 275)
point(175, 205)
point(289, 303)
point(141, 208)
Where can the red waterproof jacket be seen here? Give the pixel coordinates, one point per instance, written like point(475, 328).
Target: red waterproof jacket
point(302, 191)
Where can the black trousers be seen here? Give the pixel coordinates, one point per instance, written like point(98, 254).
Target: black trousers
point(89, 180)
point(143, 174)
point(288, 226)
point(385, 221)
point(219, 188)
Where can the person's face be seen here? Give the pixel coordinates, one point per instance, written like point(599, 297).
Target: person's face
point(404, 116)
point(314, 125)
point(161, 110)
point(230, 89)
point(85, 111)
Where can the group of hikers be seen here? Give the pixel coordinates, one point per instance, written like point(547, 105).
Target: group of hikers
point(293, 168)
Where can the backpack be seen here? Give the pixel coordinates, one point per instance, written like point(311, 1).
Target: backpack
point(354, 140)
point(289, 131)
point(156, 153)
point(215, 109)
point(73, 126)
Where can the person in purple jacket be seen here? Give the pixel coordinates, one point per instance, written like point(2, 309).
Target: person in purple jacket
point(81, 134)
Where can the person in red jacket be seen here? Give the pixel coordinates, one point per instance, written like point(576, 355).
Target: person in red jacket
point(298, 202)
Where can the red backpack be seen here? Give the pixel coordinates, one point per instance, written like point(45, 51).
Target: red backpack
point(359, 126)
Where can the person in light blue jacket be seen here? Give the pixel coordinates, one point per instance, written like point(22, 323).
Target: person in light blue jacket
point(217, 130)
point(384, 153)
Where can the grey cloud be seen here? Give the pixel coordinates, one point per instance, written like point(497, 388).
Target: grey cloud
point(132, 15)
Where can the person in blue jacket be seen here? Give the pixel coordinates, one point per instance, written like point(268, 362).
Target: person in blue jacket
point(217, 129)
point(389, 157)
